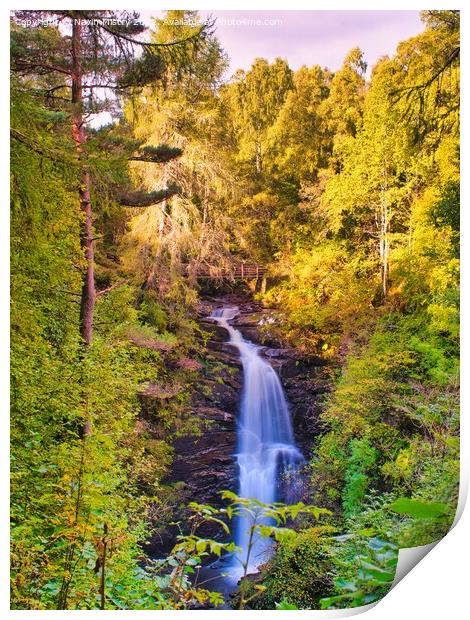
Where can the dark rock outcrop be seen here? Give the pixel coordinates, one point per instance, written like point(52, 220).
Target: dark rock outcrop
point(206, 463)
point(216, 331)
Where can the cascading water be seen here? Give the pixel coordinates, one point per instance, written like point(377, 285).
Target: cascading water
point(266, 445)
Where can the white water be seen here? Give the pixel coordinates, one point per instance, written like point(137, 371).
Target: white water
point(266, 446)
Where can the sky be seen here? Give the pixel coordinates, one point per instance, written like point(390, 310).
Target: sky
point(302, 37)
point(309, 37)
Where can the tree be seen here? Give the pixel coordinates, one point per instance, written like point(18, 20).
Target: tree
point(343, 106)
point(92, 51)
point(298, 137)
point(170, 241)
point(257, 97)
point(428, 72)
point(70, 68)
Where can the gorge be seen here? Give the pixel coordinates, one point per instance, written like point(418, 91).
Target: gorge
point(248, 427)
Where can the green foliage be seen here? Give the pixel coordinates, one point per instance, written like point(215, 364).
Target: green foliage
point(374, 575)
point(362, 460)
point(152, 312)
point(256, 98)
point(447, 210)
point(259, 515)
point(343, 108)
point(299, 572)
point(79, 501)
point(419, 510)
point(394, 411)
point(178, 573)
point(285, 605)
point(292, 151)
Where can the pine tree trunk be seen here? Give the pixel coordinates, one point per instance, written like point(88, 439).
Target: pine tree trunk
point(88, 286)
point(86, 238)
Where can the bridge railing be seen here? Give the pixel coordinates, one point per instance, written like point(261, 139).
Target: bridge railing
point(241, 271)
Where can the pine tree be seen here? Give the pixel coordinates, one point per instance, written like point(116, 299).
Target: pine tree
point(89, 52)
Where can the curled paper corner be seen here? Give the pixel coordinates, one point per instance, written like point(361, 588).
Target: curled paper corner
point(408, 558)
point(346, 612)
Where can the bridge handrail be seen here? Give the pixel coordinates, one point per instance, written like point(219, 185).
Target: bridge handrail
point(241, 270)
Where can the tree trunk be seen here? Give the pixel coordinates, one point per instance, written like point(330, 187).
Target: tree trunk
point(104, 541)
point(258, 157)
point(88, 286)
point(164, 210)
point(87, 304)
point(384, 241)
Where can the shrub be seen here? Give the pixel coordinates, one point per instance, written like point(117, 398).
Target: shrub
point(299, 572)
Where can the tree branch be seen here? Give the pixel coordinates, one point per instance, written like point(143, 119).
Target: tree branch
point(20, 137)
point(452, 56)
point(144, 199)
point(157, 154)
point(110, 288)
point(148, 44)
point(23, 65)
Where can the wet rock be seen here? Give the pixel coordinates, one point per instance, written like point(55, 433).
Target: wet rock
point(247, 320)
point(226, 358)
point(205, 463)
point(223, 418)
point(224, 396)
point(305, 394)
point(277, 352)
point(290, 363)
point(204, 466)
point(216, 331)
point(249, 333)
point(224, 347)
point(205, 308)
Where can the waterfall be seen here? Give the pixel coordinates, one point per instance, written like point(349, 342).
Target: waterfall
point(266, 445)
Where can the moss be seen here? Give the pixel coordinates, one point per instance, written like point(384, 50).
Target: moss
point(298, 573)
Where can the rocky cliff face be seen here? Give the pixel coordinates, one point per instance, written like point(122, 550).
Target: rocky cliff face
point(206, 463)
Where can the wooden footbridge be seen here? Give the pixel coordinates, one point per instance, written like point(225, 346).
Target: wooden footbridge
point(241, 271)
